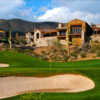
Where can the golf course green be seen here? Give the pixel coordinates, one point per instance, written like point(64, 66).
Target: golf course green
point(23, 65)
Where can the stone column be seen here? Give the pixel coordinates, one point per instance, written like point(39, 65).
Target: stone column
point(83, 38)
point(58, 33)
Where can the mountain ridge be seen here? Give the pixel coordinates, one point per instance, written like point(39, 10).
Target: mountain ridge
point(19, 25)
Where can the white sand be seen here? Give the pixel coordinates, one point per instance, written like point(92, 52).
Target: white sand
point(4, 65)
point(11, 86)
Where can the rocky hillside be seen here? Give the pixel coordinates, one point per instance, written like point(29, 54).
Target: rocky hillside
point(18, 25)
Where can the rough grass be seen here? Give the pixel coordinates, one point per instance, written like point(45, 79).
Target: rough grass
point(19, 60)
point(23, 65)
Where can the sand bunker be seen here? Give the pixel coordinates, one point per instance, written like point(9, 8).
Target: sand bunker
point(11, 86)
point(4, 65)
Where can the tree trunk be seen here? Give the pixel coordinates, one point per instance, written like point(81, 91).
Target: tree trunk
point(10, 40)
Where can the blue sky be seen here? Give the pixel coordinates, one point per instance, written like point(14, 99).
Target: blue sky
point(51, 10)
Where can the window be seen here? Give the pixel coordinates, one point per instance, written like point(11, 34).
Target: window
point(50, 34)
point(62, 33)
point(76, 28)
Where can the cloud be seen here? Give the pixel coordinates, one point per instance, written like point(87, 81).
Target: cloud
point(9, 5)
point(64, 14)
point(9, 8)
point(56, 10)
point(82, 5)
point(18, 9)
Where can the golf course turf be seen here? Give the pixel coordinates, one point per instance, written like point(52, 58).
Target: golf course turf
point(24, 65)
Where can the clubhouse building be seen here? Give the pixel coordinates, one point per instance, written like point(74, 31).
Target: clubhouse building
point(75, 32)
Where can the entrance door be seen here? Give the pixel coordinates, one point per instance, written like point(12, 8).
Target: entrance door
point(70, 40)
point(76, 40)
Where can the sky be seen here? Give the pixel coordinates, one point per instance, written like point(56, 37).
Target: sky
point(51, 10)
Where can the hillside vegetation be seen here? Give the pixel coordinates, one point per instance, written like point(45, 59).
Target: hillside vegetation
point(18, 25)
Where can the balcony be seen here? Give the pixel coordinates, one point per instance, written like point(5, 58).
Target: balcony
point(76, 33)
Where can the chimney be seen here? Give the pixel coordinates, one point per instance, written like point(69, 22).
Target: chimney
point(59, 25)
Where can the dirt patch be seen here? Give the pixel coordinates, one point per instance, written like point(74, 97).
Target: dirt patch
point(11, 86)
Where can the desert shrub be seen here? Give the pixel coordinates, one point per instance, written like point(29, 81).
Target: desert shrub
point(44, 57)
point(98, 53)
point(66, 58)
point(71, 58)
point(29, 97)
point(19, 50)
point(86, 47)
point(55, 53)
point(74, 55)
point(92, 50)
point(28, 51)
point(58, 52)
point(83, 54)
point(33, 54)
point(19, 41)
point(32, 96)
point(76, 50)
point(95, 46)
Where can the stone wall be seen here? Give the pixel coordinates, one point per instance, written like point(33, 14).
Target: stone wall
point(45, 41)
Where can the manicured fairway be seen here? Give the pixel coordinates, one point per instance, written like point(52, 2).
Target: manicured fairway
point(23, 65)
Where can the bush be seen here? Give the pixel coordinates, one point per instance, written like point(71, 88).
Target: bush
point(98, 53)
point(29, 97)
point(20, 41)
point(86, 47)
point(66, 58)
point(83, 54)
point(74, 55)
point(28, 51)
point(55, 53)
point(44, 57)
point(32, 96)
point(95, 46)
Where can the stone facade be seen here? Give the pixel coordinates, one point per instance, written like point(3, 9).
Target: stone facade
point(29, 39)
point(75, 32)
point(78, 32)
point(41, 41)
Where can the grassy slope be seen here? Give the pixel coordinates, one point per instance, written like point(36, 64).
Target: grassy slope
point(23, 65)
